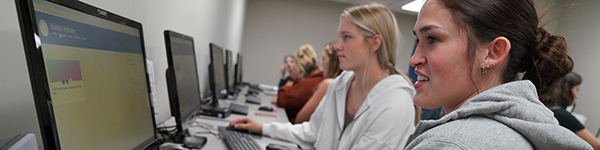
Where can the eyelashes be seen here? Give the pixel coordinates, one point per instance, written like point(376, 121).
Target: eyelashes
point(430, 40)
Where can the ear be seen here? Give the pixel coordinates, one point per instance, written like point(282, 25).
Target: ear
point(497, 51)
point(376, 41)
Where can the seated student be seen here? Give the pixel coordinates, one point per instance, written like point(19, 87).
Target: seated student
point(565, 95)
point(468, 61)
point(368, 106)
point(288, 60)
point(331, 69)
point(293, 95)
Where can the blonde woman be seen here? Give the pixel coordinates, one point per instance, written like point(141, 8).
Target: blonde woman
point(368, 106)
point(293, 95)
point(331, 69)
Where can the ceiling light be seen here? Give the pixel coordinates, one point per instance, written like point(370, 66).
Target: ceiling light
point(414, 6)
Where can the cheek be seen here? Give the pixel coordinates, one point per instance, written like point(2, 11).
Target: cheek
point(450, 81)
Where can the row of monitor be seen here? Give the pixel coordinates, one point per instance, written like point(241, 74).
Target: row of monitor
point(89, 80)
point(183, 85)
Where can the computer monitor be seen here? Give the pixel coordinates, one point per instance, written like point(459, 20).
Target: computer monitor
point(230, 72)
point(88, 76)
point(217, 73)
point(238, 70)
point(183, 86)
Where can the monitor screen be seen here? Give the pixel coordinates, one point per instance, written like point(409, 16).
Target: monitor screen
point(88, 75)
point(230, 69)
point(238, 70)
point(218, 71)
point(182, 78)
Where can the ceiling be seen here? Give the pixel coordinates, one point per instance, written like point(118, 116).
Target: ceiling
point(394, 5)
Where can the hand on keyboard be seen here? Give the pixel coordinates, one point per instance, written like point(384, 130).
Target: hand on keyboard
point(247, 123)
point(238, 130)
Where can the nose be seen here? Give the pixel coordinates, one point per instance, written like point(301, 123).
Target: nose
point(417, 59)
point(338, 45)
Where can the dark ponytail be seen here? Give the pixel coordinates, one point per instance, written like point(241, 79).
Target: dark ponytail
point(550, 63)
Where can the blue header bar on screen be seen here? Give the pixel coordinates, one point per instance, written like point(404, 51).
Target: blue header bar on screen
point(60, 31)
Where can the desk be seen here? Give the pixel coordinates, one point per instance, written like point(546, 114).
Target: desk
point(213, 123)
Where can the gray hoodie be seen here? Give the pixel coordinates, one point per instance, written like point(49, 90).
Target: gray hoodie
point(508, 116)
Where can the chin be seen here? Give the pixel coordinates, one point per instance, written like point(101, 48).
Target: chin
point(423, 103)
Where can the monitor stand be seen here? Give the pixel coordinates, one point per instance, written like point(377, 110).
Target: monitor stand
point(214, 111)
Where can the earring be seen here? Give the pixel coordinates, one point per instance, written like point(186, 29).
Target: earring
point(483, 71)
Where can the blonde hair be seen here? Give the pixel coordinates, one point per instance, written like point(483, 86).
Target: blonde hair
point(376, 19)
point(306, 59)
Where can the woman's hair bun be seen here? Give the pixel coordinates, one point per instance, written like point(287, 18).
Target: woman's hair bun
point(550, 61)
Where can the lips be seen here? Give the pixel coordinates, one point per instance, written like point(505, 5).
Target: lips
point(421, 79)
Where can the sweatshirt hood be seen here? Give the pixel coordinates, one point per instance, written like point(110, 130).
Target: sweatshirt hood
point(516, 105)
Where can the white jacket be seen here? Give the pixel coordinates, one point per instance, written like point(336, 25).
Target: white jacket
point(384, 120)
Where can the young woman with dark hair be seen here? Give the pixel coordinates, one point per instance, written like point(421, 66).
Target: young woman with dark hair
point(564, 95)
point(469, 60)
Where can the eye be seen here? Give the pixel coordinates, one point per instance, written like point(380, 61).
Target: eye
point(345, 37)
point(431, 40)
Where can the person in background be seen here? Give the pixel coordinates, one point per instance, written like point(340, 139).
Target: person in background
point(369, 105)
point(288, 61)
point(470, 59)
point(564, 95)
point(331, 69)
point(293, 95)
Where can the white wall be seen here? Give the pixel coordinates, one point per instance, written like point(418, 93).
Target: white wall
point(274, 28)
point(216, 21)
point(17, 109)
point(581, 27)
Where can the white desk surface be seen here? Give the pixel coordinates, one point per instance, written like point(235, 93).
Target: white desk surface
point(212, 123)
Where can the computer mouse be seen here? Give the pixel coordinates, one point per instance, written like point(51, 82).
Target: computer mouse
point(265, 108)
point(195, 142)
point(171, 146)
point(236, 129)
point(274, 146)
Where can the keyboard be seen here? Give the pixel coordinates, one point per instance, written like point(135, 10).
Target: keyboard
point(237, 140)
point(238, 109)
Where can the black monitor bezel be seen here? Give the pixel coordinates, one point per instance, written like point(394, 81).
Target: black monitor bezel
point(216, 93)
point(229, 71)
point(238, 70)
point(37, 70)
point(180, 118)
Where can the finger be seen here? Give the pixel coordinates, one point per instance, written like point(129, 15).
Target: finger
point(237, 121)
point(242, 126)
